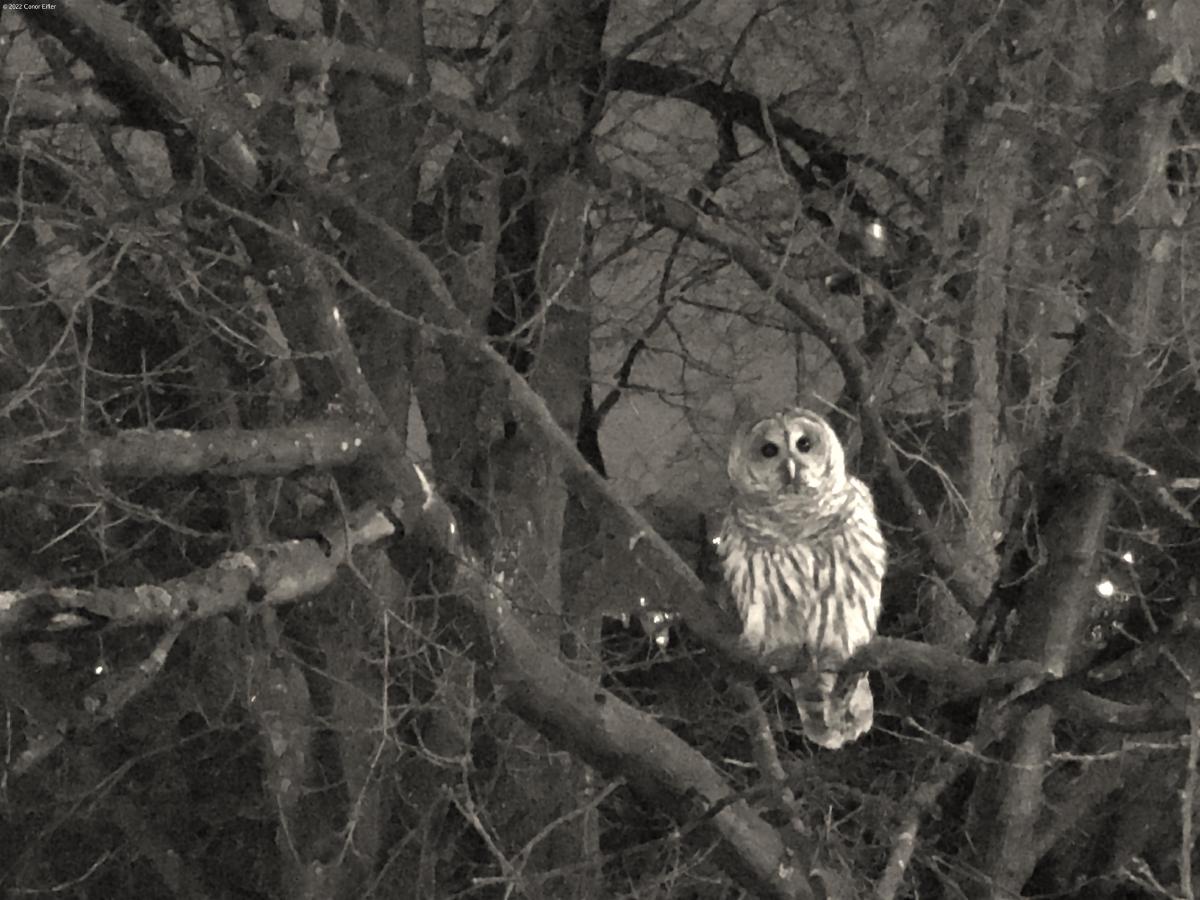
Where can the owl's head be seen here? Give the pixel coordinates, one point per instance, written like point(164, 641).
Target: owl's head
point(792, 452)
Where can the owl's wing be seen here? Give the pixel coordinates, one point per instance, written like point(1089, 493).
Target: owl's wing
point(834, 708)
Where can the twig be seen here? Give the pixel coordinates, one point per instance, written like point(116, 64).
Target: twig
point(626, 370)
point(1141, 478)
point(1188, 799)
point(593, 802)
point(919, 802)
point(117, 694)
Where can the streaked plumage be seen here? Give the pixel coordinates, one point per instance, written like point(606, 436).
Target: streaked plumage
point(804, 560)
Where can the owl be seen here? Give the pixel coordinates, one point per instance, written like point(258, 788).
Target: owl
point(803, 557)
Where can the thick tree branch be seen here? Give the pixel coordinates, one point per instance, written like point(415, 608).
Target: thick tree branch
point(147, 453)
point(620, 740)
point(312, 57)
point(963, 677)
point(272, 574)
point(32, 106)
point(156, 88)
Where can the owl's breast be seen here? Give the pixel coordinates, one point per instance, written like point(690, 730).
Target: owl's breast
point(820, 594)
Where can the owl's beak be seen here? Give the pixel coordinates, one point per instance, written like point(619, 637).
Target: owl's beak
point(791, 467)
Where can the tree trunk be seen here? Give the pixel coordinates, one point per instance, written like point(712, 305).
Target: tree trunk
point(1126, 279)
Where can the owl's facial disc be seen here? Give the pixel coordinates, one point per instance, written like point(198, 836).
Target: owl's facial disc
point(792, 452)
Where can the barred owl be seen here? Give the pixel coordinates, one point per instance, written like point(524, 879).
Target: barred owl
point(804, 559)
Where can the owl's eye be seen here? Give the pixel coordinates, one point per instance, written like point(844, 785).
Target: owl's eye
point(769, 450)
point(803, 443)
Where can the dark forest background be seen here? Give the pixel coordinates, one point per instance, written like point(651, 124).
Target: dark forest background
point(366, 373)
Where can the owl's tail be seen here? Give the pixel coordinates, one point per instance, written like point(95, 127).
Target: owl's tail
point(834, 709)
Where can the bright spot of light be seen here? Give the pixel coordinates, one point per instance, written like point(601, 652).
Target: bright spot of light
point(662, 639)
point(875, 230)
point(1105, 588)
point(658, 618)
point(716, 541)
point(1151, 14)
point(1127, 557)
point(337, 315)
point(641, 601)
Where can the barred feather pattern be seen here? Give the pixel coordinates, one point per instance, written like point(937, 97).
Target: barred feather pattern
point(804, 560)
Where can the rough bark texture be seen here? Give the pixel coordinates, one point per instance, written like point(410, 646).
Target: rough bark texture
point(1127, 282)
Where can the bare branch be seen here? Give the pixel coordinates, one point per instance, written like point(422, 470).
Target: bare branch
point(147, 453)
point(620, 740)
point(919, 802)
point(33, 106)
point(311, 57)
point(828, 164)
point(1144, 480)
point(1187, 799)
point(626, 370)
point(99, 33)
point(274, 573)
point(104, 703)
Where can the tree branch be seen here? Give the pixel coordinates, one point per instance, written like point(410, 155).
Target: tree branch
point(919, 802)
point(618, 739)
point(274, 573)
point(312, 57)
point(1142, 479)
point(104, 703)
point(155, 87)
point(828, 164)
point(147, 453)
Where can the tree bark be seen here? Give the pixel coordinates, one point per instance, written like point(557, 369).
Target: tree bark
point(1126, 279)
